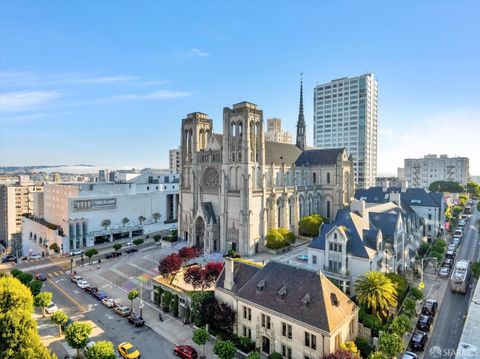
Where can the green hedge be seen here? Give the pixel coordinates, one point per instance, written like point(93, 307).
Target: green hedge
point(275, 240)
point(310, 225)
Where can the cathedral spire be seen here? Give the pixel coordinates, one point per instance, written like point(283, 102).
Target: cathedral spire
point(301, 136)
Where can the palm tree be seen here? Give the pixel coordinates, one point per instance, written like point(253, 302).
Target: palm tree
point(376, 292)
point(156, 216)
point(125, 221)
point(105, 223)
point(141, 219)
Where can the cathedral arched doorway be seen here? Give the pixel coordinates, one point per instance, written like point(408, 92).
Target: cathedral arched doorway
point(199, 232)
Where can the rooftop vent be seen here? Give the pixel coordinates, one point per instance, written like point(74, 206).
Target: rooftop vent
point(260, 286)
point(334, 299)
point(306, 300)
point(282, 293)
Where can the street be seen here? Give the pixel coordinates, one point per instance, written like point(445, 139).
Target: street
point(453, 308)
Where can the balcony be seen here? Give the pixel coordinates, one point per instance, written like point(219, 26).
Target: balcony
point(336, 272)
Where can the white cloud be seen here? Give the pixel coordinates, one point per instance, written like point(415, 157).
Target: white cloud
point(103, 79)
point(26, 100)
point(454, 133)
point(200, 53)
point(157, 95)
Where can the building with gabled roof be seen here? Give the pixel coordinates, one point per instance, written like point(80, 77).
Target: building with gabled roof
point(382, 238)
point(296, 312)
point(236, 187)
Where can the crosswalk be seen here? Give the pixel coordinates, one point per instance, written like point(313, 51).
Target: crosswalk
point(55, 274)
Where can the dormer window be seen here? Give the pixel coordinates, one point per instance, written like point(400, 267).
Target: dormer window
point(334, 300)
point(282, 293)
point(261, 286)
point(306, 300)
point(335, 235)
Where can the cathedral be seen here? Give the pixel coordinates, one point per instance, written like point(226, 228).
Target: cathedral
point(235, 187)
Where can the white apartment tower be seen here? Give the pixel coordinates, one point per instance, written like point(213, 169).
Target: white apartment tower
point(345, 115)
point(421, 172)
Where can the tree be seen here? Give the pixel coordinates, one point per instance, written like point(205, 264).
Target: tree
point(377, 355)
point(445, 186)
point(364, 347)
point(351, 347)
point(254, 355)
point(131, 296)
point(211, 272)
point(376, 292)
point(156, 216)
point(19, 335)
point(200, 337)
point(476, 269)
point(141, 219)
point(125, 221)
point(54, 247)
point(275, 240)
point(157, 238)
point(390, 344)
point(138, 241)
point(90, 253)
point(35, 287)
point(15, 272)
point(341, 354)
point(101, 350)
point(106, 223)
point(310, 225)
point(59, 318)
point(400, 325)
point(77, 335)
point(25, 278)
point(203, 278)
point(196, 308)
point(170, 264)
point(287, 235)
point(117, 246)
point(219, 316)
point(42, 300)
point(194, 276)
point(188, 253)
point(224, 349)
point(473, 188)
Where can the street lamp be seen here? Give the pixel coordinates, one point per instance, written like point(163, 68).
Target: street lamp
point(141, 296)
point(422, 285)
point(71, 265)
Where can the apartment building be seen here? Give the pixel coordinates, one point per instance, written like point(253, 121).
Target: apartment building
point(275, 133)
point(175, 160)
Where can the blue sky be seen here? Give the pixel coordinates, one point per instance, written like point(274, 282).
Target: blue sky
point(108, 82)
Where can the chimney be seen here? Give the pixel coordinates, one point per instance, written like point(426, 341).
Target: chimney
point(385, 185)
point(229, 283)
point(358, 205)
point(404, 185)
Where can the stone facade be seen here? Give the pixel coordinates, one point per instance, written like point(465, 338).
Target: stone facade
point(237, 186)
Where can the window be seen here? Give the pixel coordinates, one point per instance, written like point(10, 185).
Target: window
point(247, 332)
point(429, 216)
point(247, 313)
point(287, 330)
point(265, 321)
point(314, 178)
point(286, 352)
point(314, 259)
point(328, 177)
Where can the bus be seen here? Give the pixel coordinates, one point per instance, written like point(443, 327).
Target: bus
point(460, 276)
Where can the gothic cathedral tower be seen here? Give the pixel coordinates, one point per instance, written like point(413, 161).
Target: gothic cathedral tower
point(301, 127)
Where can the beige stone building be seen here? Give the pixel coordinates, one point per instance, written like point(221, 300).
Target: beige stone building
point(292, 311)
point(237, 186)
point(274, 131)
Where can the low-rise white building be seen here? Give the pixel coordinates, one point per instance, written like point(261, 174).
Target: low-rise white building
point(293, 311)
point(84, 214)
point(381, 238)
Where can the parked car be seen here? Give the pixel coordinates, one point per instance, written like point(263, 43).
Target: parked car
point(66, 324)
point(451, 247)
point(83, 284)
point(36, 256)
point(111, 303)
point(136, 320)
point(99, 295)
point(456, 241)
point(75, 278)
point(122, 310)
point(128, 244)
point(40, 276)
point(462, 223)
point(458, 233)
point(76, 252)
point(128, 351)
point(131, 250)
point(448, 262)
point(112, 255)
point(430, 307)
point(185, 352)
point(302, 257)
point(409, 355)
point(450, 254)
point(424, 322)
point(9, 258)
point(90, 289)
point(444, 271)
point(52, 308)
point(418, 341)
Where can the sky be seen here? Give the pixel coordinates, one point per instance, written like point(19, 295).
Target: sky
point(107, 82)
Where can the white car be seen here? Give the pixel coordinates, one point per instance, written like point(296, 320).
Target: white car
point(128, 244)
point(52, 308)
point(36, 256)
point(83, 284)
point(76, 252)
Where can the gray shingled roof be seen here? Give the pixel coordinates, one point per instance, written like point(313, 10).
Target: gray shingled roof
point(318, 157)
point(242, 272)
point(279, 153)
point(411, 197)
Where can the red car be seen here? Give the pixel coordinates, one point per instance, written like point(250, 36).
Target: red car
point(185, 352)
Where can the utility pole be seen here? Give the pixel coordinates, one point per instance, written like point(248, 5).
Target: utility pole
point(71, 265)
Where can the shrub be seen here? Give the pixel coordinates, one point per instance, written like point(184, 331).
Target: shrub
point(370, 321)
point(416, 293)
point(275, 240)
point(400, 325)
point(188, 253)
point(409, 307)
point(275, 355)
point(15, 272)
point(232, 254)
point(244, 344)
point(350, 347)
point(287, 235)
point(437, 255)
point(166, 301)
point(175, 305)
point(364, 347)
point(157, 237)
point(390, 344)
point(423, 249)
point(310, 225)
point(476, 269)
point(25, 278)
point(401, 285)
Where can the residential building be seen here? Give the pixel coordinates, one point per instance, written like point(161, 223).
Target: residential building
point(175, 160)
point(380, 238)
point(15, 201)
point(293, 311)
point(237, 186)
point(345, 115)
point(393, 181)
point(421, 172)
point(75, 211)
point(103, 176)
point(274, 131)
point(429, 206)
